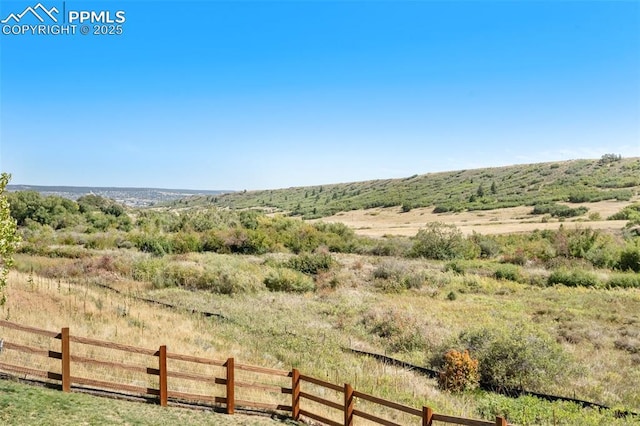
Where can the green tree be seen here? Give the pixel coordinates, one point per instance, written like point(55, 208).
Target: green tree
point(8, 237)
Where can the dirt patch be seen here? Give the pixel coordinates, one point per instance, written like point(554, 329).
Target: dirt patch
point(392, 221)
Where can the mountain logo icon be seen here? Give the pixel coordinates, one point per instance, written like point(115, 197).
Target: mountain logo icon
point(39, 11)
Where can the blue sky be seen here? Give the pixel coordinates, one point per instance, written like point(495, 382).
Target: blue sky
point(257, 95)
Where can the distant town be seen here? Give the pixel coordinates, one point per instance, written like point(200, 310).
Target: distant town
point(134, 197)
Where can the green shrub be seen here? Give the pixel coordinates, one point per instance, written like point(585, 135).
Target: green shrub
point(156, 244)
point(284, 279)
point(399, 330)
point(406, 207)
point(232, 280)
point(393, 276)
point(392, 246)
point(186, 275)
point(489, 247)
point(628, 280)
point(443, 241)
point(212, 241)
point(630, 258)
point(630, 212)
point(186, 242)
point(573, 278)
point(508, 272)
point(244, 241)
point(514, 357)
point(311, 263)
point(455, 267)
point(558, 210)
point(147, 268)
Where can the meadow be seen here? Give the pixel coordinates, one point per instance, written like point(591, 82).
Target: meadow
point(554, 311)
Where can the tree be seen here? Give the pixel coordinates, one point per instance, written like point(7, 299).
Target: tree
point(8, 237)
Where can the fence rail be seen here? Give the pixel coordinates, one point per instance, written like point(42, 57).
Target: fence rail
point(345, 408)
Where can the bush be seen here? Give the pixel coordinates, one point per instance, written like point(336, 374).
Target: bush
point(558, 210)
point(390, 270)
point(489, 247)
point(455, 267)
point(186, 242)
point(311, 263)
point(146, 269)
point(460, 372)
point(399, 330)
point(573, 278)
point(232, 281)
point(415, 280)
point(394, 276)
point(629, 280)
point(610, 158)
point(156, 244)
point(630, 212)
point(393, 246)
point(630, 259)
point(508, 272)
point(284, 279)
point(441, 241)
point(511, 358)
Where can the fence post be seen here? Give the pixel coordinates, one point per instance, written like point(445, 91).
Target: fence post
point(501, 421)
point(427, 416)
point(348, 405)
point(66, 361)
point(295, 394)
point(162, 358)
point(230, 386)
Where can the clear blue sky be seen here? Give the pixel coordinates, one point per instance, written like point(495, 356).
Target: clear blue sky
point(256, 95)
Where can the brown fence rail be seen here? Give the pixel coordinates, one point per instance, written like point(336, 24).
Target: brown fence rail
point(345, 408)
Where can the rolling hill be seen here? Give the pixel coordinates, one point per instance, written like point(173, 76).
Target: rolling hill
point(575, 181)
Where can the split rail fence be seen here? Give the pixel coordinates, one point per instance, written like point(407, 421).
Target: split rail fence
point(298, 395)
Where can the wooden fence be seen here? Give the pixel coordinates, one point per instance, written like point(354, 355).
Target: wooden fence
point(300, 387)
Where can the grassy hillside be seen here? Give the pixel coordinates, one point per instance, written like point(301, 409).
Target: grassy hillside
point(478, 189)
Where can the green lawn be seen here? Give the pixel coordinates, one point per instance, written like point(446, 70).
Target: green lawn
point(22, 404)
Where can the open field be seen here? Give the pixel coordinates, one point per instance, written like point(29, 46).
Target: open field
point(553, 311)
point(379, 221)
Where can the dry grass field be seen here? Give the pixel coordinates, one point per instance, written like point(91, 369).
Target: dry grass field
point(378, 222)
